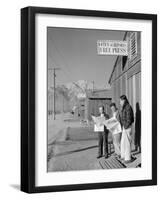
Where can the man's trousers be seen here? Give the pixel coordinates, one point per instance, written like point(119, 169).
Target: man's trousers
point(126, 140)
point(116, 143)
point(103, 143)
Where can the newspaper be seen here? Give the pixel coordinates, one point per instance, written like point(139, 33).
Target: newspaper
point(111, 124)
point(98, 123)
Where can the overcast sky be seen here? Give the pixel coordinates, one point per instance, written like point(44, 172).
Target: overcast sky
point(75, 52)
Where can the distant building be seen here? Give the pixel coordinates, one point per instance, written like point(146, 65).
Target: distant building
point(62, 103)
point(81, 106)
point(96, 98)
point(126, 79)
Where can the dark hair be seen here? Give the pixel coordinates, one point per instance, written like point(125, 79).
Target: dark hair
point(113, 104)
point(123, 97)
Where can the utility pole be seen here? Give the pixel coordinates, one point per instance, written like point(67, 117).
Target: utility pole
point(93, 85)
point(63, 101)
point(54, 74)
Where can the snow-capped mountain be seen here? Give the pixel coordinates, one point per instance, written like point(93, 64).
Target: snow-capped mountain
point(79, 88)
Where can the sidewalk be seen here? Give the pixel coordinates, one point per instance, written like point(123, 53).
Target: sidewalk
point(58, 131)
point(57, 128)
point(78, 152)
point(74, 146)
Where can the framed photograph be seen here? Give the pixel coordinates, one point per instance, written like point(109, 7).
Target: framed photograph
point(88, 99)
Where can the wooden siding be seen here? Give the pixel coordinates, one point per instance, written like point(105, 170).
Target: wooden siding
point(127, 81)
point(94, 104)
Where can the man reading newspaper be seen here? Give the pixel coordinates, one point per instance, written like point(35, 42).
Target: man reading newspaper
point(113, 125)
point(102, 132)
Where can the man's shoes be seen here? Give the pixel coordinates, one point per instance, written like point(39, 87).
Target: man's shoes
point(114, 154)
point(127, 161)
point(99, 156)
point(122, 159)
point(130, 161)
point(106, 155)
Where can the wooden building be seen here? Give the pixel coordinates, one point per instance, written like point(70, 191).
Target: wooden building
point(81, 106)
point(126, 79)
point(95, 99)
point(62, 104)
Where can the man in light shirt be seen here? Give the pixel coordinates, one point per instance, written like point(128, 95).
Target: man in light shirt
point(115, 134)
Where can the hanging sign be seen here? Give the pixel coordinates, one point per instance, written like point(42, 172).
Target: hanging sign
point(112, 47)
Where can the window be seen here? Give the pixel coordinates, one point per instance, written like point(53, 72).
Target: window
point(124, 60)
point(133, 45)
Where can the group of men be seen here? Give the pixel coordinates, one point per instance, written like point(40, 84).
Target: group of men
point(122, 140)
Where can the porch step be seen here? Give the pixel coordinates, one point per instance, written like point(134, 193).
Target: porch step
point(111, 163)
point(136, 163)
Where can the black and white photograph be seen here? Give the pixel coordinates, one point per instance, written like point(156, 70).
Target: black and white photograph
point(93, 99)
point(79, 100)
point(89, 88)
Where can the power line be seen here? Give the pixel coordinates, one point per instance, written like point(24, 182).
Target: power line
point(61, 55)
point(54, 74)
point(67, 72)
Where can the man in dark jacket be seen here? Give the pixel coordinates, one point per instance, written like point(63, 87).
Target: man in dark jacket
point(127, 118)
point(103, 136)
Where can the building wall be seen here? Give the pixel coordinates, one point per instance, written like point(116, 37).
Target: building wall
point(62, 104)
point(95, 103)
point(81, 108)
point(126, 79)
point(95, 99)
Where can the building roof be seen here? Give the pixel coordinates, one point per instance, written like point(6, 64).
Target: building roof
point(109, 81)
point(100, 93)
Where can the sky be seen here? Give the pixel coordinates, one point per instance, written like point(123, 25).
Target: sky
point(74, 51)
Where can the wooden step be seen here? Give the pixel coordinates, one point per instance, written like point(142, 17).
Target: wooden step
point(135, 163)
point(110, 163)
